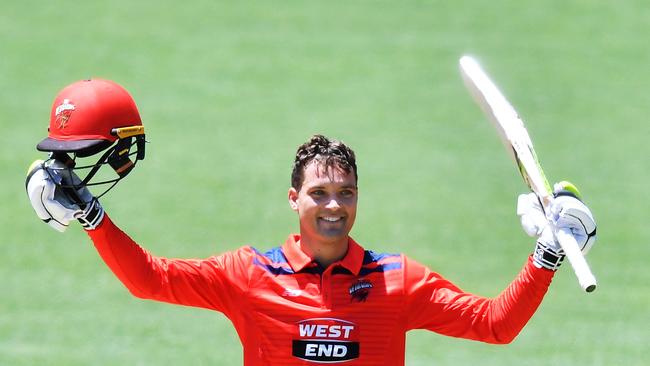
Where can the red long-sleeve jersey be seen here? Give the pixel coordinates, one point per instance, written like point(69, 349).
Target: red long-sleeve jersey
point(288, 310)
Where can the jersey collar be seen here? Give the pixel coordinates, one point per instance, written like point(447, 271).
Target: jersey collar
point(298, 259)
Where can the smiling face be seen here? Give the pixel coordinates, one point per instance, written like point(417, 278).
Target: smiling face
point(326, 205)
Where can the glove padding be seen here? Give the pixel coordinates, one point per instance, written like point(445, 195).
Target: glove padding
point(52, 204)
point(566, 211)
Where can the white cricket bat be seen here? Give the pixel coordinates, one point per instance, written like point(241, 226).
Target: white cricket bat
point(515, 137)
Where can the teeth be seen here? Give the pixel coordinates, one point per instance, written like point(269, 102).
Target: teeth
point(331, 219)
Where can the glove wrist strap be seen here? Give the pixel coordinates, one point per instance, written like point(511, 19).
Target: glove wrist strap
point(544, 257)
point(92, 216)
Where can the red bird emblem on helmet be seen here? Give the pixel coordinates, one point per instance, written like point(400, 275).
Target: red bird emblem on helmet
point(63, 112)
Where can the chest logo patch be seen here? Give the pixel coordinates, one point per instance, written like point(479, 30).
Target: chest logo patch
point(360, 290)
point(326, 340)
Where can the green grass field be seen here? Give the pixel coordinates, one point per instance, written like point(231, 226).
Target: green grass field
point(228, 90)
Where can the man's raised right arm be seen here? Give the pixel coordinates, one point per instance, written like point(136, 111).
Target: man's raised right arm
point(209, 283)
point(215, 283)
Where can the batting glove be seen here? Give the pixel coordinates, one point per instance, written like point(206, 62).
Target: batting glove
point(52, 204)
point(567, 211)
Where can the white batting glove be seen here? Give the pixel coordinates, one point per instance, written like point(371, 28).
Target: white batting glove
point(52, 204)
point(566, 212)
point(531, 214)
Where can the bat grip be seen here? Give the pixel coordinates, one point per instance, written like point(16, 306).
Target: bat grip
point(578, 262)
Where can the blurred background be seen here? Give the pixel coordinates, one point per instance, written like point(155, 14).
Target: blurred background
point(228, 90)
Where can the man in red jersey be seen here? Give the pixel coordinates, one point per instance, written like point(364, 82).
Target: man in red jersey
point(321, 297)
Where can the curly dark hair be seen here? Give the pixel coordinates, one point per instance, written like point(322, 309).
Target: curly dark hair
point(333, 153)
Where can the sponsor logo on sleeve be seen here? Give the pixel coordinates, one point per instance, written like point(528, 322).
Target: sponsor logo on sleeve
point(291, 292)
point(326, 340)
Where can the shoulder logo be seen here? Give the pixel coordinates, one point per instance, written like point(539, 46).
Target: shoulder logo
point(63, 112)
point(360, 290)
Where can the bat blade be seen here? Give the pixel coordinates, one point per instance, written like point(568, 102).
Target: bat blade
point(518, 143)
point(508, 124)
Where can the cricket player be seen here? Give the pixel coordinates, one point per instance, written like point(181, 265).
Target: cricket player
point(320, 297)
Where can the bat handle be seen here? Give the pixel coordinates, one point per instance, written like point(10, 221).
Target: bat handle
point(578, 262)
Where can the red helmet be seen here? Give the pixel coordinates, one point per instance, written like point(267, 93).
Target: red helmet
point(85, 114)
point(88, 117)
